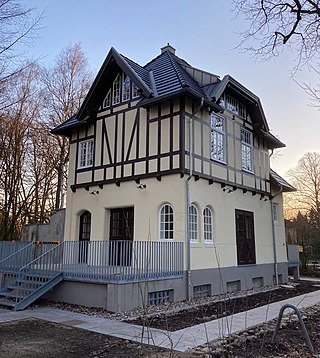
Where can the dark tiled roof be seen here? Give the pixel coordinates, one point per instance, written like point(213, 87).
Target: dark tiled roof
point(139, 70)
point(66, 126)
point(169, 76)
point(281, 182)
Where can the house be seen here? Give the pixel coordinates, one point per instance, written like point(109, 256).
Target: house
point(170, 192)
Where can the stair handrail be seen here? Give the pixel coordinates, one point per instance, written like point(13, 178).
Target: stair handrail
point(23, 271)
point(42, 255)
point(16, 253)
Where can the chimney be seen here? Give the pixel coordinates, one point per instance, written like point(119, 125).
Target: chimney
point(169, 48)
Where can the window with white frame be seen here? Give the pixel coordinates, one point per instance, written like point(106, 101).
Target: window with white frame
point(207, 225)
point(193, 223)
point(246, 150)
point(135, 91)
point(234, 106)
point(166, 222)
point(107, 100)
point(126, 84)
point(217, 138)
point(85, 158)
point(116, 90)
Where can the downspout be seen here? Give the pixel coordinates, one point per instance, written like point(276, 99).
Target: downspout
point(274, 236)
point(191, 156)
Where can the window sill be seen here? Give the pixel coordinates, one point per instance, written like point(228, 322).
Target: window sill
point(248, 171)
point(219, 161)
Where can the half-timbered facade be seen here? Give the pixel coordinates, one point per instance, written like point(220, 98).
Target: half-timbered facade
point(168, 153)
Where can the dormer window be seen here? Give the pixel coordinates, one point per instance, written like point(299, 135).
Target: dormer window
point(234, 106)
point(126, 87)
point(116, 90)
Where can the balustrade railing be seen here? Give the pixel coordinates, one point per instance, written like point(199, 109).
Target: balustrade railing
point(103, 261)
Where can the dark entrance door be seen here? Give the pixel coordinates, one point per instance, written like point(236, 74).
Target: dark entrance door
point(84, 236)
point(121, 236)
point(246, 251)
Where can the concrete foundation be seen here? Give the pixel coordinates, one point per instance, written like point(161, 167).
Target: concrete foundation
point(127, 296)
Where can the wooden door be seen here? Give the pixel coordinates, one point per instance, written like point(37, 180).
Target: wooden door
point(121, 236)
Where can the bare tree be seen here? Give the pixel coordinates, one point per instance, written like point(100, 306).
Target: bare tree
point(66, 85)
point(16, 123)
point(17, 26)
point(274, 25)
point(305, 177)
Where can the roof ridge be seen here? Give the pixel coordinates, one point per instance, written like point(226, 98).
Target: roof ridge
point(177, 69)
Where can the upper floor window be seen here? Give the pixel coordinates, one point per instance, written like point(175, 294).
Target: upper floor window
point(135, 91)
point(217, 138)
point(234, 106)
point(207, 225)
point(193, 223)
point(275, 212)
point(246, 150)
point(116, 90)
point(166, 222)
point(126, 84)
point(107, 100)
point(85, 154)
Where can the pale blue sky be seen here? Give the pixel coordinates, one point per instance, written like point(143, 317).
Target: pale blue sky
point(204, 33)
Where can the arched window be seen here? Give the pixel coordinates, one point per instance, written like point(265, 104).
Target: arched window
point(207, 225)
point(166, 222)
point(84, 236)
point(193, 223)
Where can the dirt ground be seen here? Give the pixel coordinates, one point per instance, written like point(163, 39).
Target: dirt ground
point(32, 338)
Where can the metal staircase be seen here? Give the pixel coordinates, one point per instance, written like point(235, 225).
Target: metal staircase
point(33, 280)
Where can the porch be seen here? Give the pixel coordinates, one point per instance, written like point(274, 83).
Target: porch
point(34, 268)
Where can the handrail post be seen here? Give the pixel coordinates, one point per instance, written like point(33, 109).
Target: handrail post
point(297, 312)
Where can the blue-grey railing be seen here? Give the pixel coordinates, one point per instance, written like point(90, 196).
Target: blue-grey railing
point(22, 256)
point(122, 261)
point(17, 259)
point(9, 247)
point(103, 261)
point(35, 275)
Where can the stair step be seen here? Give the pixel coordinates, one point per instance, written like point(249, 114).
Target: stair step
point(15, 294)
point(6, 302)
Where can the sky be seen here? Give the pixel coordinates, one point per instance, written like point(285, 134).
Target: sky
point(205, 33)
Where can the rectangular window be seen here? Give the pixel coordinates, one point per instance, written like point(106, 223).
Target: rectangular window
point(246, 150)
point(232, 104)
point(160, 297)
point(217, 138)
point(85, 158)
point(246, 251)
point(275, 212)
